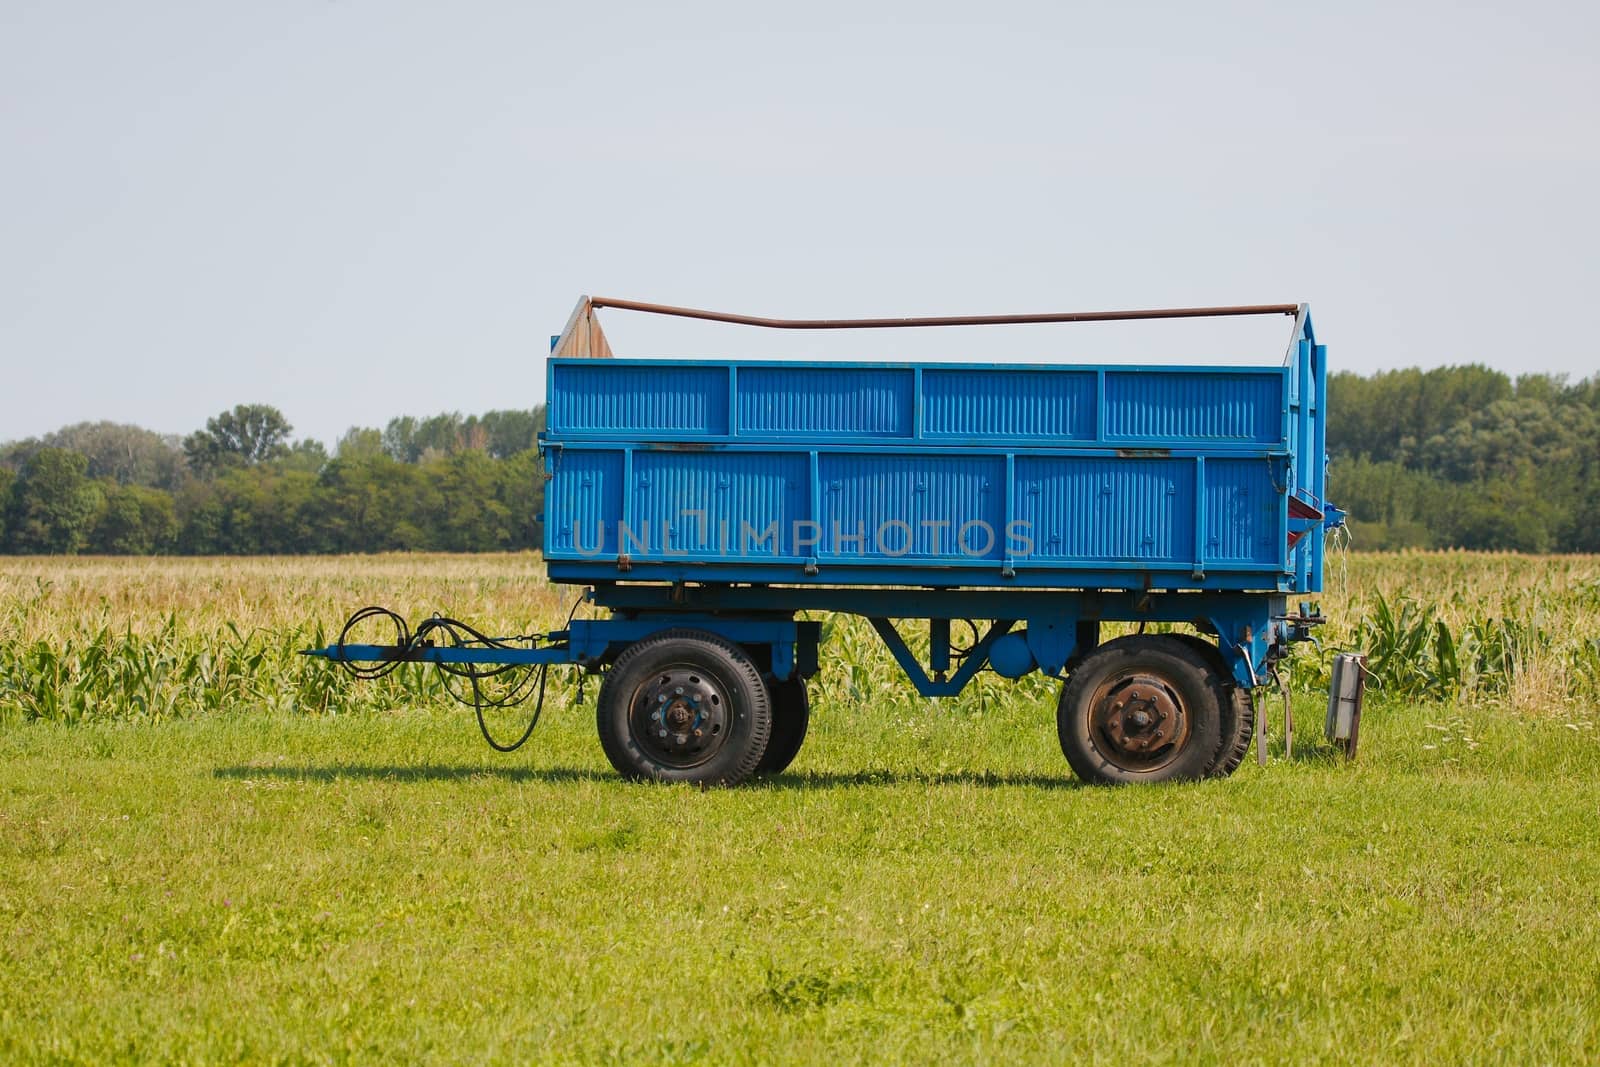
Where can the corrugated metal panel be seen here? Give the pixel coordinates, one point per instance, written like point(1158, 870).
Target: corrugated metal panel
point(888, 499)
point(867, 401)
point(594, 396)
point(666, 427)
point(1112, 509)
point(1243, 522)
point(585, 503)
point(1173, 406)
point(719, 503)
point(1056, 406)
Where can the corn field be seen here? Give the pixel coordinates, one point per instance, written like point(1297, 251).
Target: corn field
point(143, 640)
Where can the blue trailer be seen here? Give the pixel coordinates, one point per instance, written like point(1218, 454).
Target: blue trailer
point(707, 504)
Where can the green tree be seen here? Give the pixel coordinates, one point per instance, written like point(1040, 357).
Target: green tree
point(249, 434)
point(53, 504)
point(472, 517)
point(522, 492)
point(1507, 438)
point(399, 439)
point(1501, 515)
point(359, 442)
point(13, 454)
point(127, 455)
point(410, 440)
point(502, 434)
point(308, 455)
point(375, 504)
point(202, 519)
point(7, 478)
point(440, 435)
point(268, 509)
point(135, 520)
point(1390, 506)
point(513, 431)
point(1381, 416)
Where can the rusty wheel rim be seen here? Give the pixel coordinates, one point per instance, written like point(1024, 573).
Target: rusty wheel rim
point(1138, 721)
point(680, 718)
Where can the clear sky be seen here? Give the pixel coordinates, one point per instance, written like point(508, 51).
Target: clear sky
point(353, 209)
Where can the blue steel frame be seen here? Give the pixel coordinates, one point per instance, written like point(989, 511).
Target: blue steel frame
point(1249, 629)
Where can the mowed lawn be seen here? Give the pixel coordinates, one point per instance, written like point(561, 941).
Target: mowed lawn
point(928, 886)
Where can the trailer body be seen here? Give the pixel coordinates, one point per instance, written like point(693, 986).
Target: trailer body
point(1018, 476)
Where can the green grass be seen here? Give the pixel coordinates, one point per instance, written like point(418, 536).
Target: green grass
point(925, 885)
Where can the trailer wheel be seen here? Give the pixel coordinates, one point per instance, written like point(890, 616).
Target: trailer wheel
point(791, 715)
point(1141, 709)
point(684, 706)
point(1238, 710)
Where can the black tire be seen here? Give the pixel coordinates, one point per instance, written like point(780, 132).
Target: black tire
point(791, 716)
point(684, 706)
point(1141, 709)
point(1241, 712)
point(1238, 710)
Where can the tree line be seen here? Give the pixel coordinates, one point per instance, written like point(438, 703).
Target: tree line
point(1466, 457)
point(1455, 457)
point(243, 485)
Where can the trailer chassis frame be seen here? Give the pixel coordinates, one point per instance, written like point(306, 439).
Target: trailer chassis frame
point(1027, 630)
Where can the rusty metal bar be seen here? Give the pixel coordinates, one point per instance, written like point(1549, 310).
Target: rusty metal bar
point(943, 320)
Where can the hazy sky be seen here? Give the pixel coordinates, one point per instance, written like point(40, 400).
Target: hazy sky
point(354, 209)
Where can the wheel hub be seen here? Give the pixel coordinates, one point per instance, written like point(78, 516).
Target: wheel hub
point(1138, 716)
point(680, 717)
